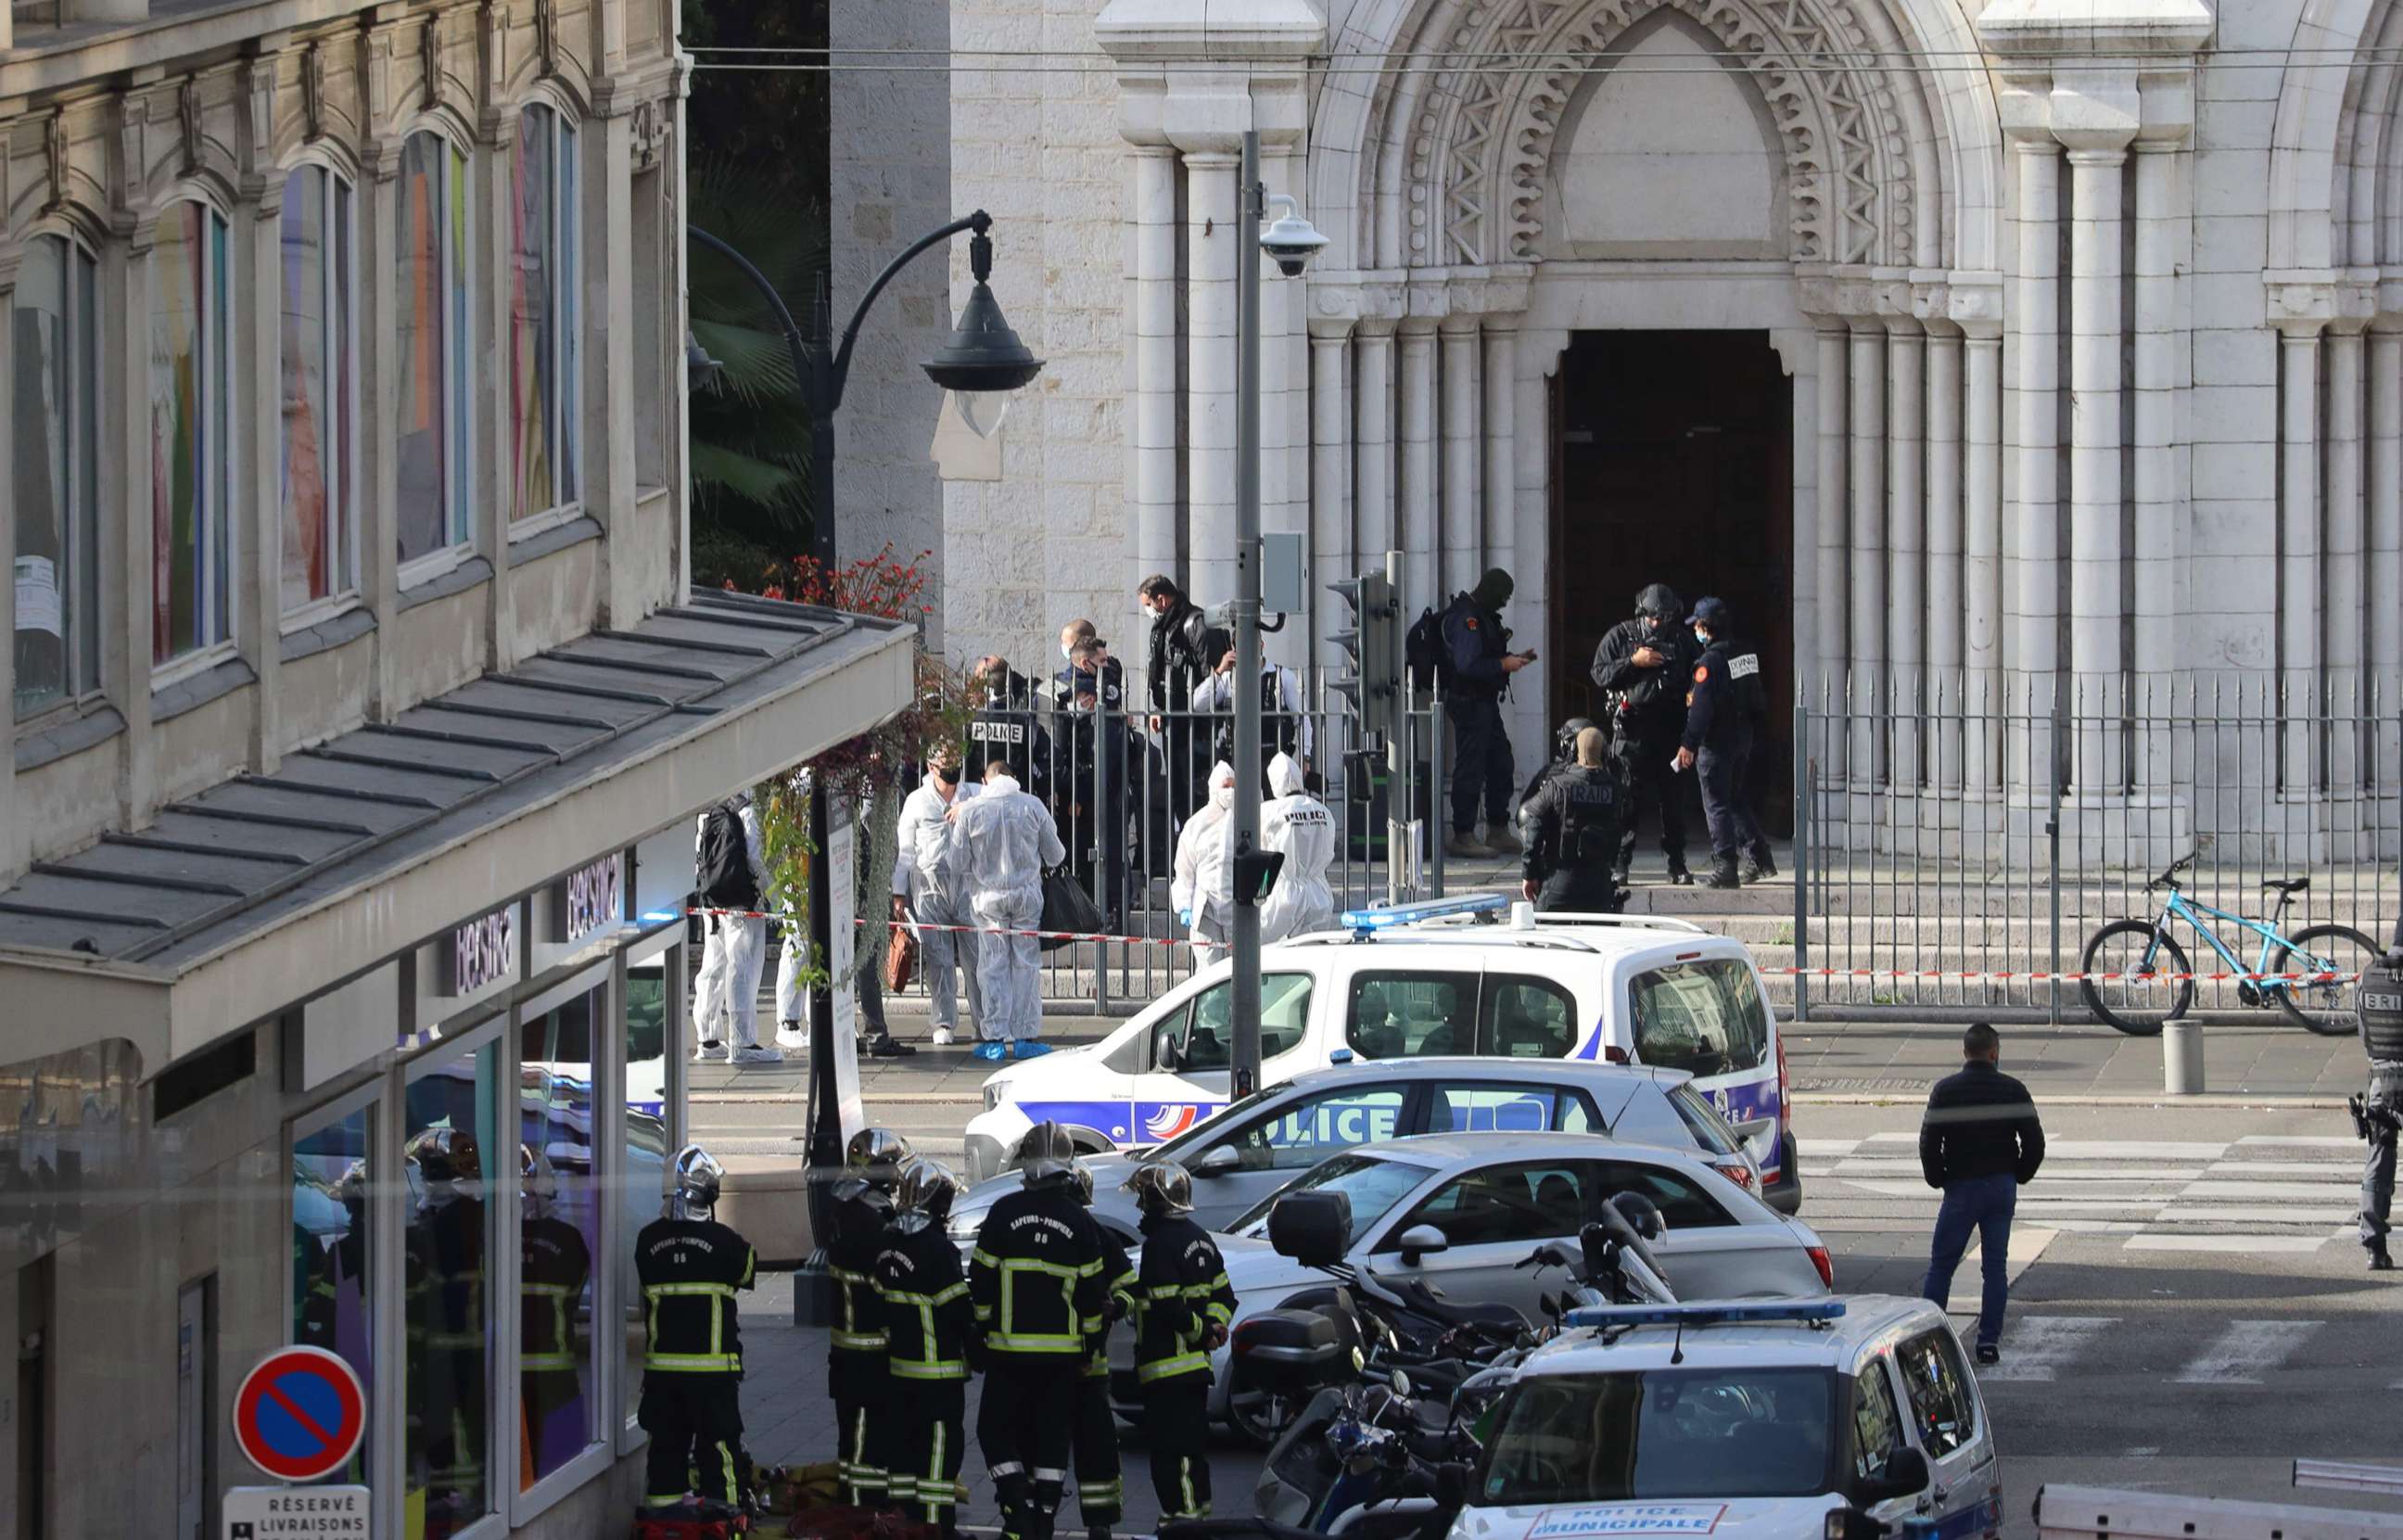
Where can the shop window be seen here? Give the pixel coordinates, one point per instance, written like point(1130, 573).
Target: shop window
point(319, 395)
point(451, 1142)
point(645, 1158)
point(559, 1234)
point(191, 439)
point(542, 315)
point(54, 476)
point(331, 1288)
point(430, 343)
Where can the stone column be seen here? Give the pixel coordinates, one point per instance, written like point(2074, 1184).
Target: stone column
point(1943, 611)
point(127, 270)
point(13, 844)
point(1865, 567)
point(1210, 363)
point(1421, 572)
point(1834, 454)
point(378, 202)
point(2299, 561)
point(1906, 544)
point(2164, 239)
point(256, 520)
point(2343, 623)
point(1981, 555)
point(1501, 447)
point(1463, 483)
point(2035, 318)
point(2095, 548)
point(1151, 341)
point(1330, 474)
point(1373, 495)
point(2385, 538)
point(493, 507)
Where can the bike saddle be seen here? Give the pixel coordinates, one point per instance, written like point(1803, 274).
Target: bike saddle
point(2289, 884)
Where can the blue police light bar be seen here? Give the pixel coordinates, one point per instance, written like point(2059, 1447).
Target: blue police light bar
point(1365, 923)
point(1707, 1312)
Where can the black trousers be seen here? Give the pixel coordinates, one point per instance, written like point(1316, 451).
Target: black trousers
point(1024, 1425)
point(1480, 764)
point(1653, 788)
point(1727, 802)
point(1587, 888)
point(1176, 1427)
point(695, 1421)
point(929, 1437)
point(1100, 1489)
point(860, 1387)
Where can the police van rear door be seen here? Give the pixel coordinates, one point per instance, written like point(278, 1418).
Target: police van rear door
point(1700, 1009)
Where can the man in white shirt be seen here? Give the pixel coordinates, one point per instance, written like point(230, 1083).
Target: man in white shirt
point(725, 995)
point(1285, 727)
point(1005, 840)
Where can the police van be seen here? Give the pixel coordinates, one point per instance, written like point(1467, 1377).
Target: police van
point(1744, 1419)
point(1447, 977)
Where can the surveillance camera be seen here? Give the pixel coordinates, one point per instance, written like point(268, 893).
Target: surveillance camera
point(1291, 242)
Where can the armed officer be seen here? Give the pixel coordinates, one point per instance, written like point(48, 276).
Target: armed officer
point(1641, 666)
point(1724, 712)
point(857, 1377)
point(1100, 1488)
point(1571, 827)
point(929, 1328)
point(2380, 1109)
point(1476, 646)
point(1039, 1330)
point(689, 1266)
point(1183, 1303)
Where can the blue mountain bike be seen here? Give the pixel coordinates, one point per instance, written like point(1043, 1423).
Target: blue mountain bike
point(2138, 978)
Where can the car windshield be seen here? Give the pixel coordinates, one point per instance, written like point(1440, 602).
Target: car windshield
point(1189, 1143)
point(1715, 1433)
point(1372, 1182)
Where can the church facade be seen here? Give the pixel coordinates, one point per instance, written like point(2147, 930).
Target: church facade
point(1969, 355)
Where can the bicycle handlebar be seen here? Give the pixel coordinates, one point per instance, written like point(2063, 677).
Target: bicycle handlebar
point(2168, 879)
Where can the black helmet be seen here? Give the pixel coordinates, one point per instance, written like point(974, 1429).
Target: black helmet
point(1162, 1187)
point(697, 1179)
point(1565, 741)
point(1661, 602)
point(445, 1153)
point(1046, 1155)
point(924, 1194)
point(876, 1155)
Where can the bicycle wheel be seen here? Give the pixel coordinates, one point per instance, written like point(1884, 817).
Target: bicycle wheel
point(2321, 1005)
point(2134, 952)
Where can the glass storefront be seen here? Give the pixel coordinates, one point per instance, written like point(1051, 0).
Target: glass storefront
point(452, 1145)
point(331, 1281)
point(559, 1235)
point(646, 1154)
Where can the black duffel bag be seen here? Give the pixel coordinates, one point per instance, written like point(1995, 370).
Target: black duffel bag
point(1066, 907)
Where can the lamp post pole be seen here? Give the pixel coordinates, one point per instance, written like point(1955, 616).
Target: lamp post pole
point(1250, 201)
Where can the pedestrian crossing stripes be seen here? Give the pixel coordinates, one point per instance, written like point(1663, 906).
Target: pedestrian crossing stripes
point(2244, 1351)
point(2056, 1349)
point(2266, 1193)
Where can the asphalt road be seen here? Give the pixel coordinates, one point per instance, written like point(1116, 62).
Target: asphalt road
point(2190, 1312)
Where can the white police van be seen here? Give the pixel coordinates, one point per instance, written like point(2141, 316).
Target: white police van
point(1741, 1420)
point(1436, 977)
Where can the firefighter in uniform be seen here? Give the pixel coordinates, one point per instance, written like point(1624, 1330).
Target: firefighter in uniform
point(1182, 1305)
point(449, 1315)
point(1036, 1277)
point(554, 1265)
point(2380, 1109)
point(1101, 1488)
point(856, 1381)
point(689, 1266)
point(929, 1327)
point(1571, 829)
point(1724, 712)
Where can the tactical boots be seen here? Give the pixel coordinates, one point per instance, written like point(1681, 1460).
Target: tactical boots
point(1461, 846)
point(1760, 865)
point(2379, 1260)
point(1723, 874)
point(1678, 876)
point(1499, 839)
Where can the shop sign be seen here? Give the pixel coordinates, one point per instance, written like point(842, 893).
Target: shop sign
point(588, 899)
point(296, 1513)
point(481, 953)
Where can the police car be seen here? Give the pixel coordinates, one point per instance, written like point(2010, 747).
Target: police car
point(1444, 977)
point(1791, 1420)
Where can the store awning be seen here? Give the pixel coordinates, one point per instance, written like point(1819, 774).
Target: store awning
point(265, 891)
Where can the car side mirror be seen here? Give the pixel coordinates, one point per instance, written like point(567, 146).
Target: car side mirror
point(1905, 1475)
point(1451, 1484)
point(1166, 1051)
point(1851, 1523)
point(1421, 1241)
point(1219, 1160)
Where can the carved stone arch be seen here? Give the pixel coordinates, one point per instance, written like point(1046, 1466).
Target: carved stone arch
point(2365, 221)
point(2304, 140)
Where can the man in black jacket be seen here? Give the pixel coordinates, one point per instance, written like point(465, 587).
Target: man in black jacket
point(1184, 649)
point(1642, 667)
point(1979, 1143)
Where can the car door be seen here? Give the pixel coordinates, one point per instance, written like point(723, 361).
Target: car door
point(1879, 1433)
point(1947, 1422)
point(1274, 1147)
point(1492, 1217)
point(1709, 1253)
point(1169, 1101)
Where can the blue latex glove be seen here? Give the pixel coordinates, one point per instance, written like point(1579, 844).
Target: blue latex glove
point(1185, 918)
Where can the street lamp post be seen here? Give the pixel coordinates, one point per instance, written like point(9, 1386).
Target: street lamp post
point(983, 355)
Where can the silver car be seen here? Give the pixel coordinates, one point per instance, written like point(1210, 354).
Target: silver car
point(1462, 1211)
point(1248, 1154)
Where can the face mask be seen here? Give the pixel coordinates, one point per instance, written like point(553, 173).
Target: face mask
point(949, 775)
point(1222, 796)
point(1067, 652)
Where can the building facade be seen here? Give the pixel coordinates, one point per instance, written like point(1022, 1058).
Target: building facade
point(360, 713)
point(1972, 355)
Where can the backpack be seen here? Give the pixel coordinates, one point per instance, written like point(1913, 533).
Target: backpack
point(1424, 657)
point(723, 872)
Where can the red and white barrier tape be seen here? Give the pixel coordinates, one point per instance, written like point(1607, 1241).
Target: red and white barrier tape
point(1946, 975)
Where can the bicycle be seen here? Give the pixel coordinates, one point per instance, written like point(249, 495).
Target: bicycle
point(2137, 960)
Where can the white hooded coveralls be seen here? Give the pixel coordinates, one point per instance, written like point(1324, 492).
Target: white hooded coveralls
point(1202, 886)
point(1004, 838)
point(1300, 826)
point(926, 876)
point(725, 994)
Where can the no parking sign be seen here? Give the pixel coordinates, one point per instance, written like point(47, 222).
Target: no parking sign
point(300, 1414)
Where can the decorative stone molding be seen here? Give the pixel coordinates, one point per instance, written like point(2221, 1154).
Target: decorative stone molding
point(313, 91)
point(1974, 302)
point(429, 59)
point(54, 147)
point(188, 122)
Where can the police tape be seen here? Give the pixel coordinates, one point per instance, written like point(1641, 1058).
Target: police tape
point(1943, 976)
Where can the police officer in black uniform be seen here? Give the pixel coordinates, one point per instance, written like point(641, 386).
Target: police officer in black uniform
point(1642, 666)
point(1008, 725)
point(1038, 1331)
point(1564, 757)
point(1183, 1303)
point(1101, 1488)
point(689, 1266)
point(857, 1376)
point(929, 1331)
point(1184, 647)
point(1477, 647)
point(1093, 804)
point(1724, 712)
point(2380, 1109)
point(1571, 828)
